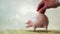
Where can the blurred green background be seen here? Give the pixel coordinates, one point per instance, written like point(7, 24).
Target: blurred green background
point(15, 13)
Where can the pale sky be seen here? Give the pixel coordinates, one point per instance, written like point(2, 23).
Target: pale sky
point(14, 14)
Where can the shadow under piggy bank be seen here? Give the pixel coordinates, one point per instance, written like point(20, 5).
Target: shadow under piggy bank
point(49, 31)
point(38, 31)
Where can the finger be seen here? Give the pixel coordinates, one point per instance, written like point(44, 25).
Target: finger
point(42, 10)
point(40, 6)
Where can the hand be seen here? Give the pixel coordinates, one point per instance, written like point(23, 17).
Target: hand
point(45, 4)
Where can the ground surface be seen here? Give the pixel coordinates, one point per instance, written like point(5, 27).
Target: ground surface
point(29, 32)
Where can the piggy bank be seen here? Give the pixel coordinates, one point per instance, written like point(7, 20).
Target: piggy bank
point(40, 21)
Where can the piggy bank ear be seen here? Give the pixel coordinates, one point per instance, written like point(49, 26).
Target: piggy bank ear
point(28, 22)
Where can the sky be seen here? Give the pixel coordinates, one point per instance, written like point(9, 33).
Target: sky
point(15, 13)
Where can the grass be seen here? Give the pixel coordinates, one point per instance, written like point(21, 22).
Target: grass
point(29, 32)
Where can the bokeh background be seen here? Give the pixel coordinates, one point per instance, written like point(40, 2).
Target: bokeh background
point(15, 13)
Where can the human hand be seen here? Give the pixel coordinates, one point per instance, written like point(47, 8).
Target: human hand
point(46, 4)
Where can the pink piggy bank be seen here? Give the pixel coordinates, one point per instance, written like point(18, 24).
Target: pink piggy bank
point(40, 21)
